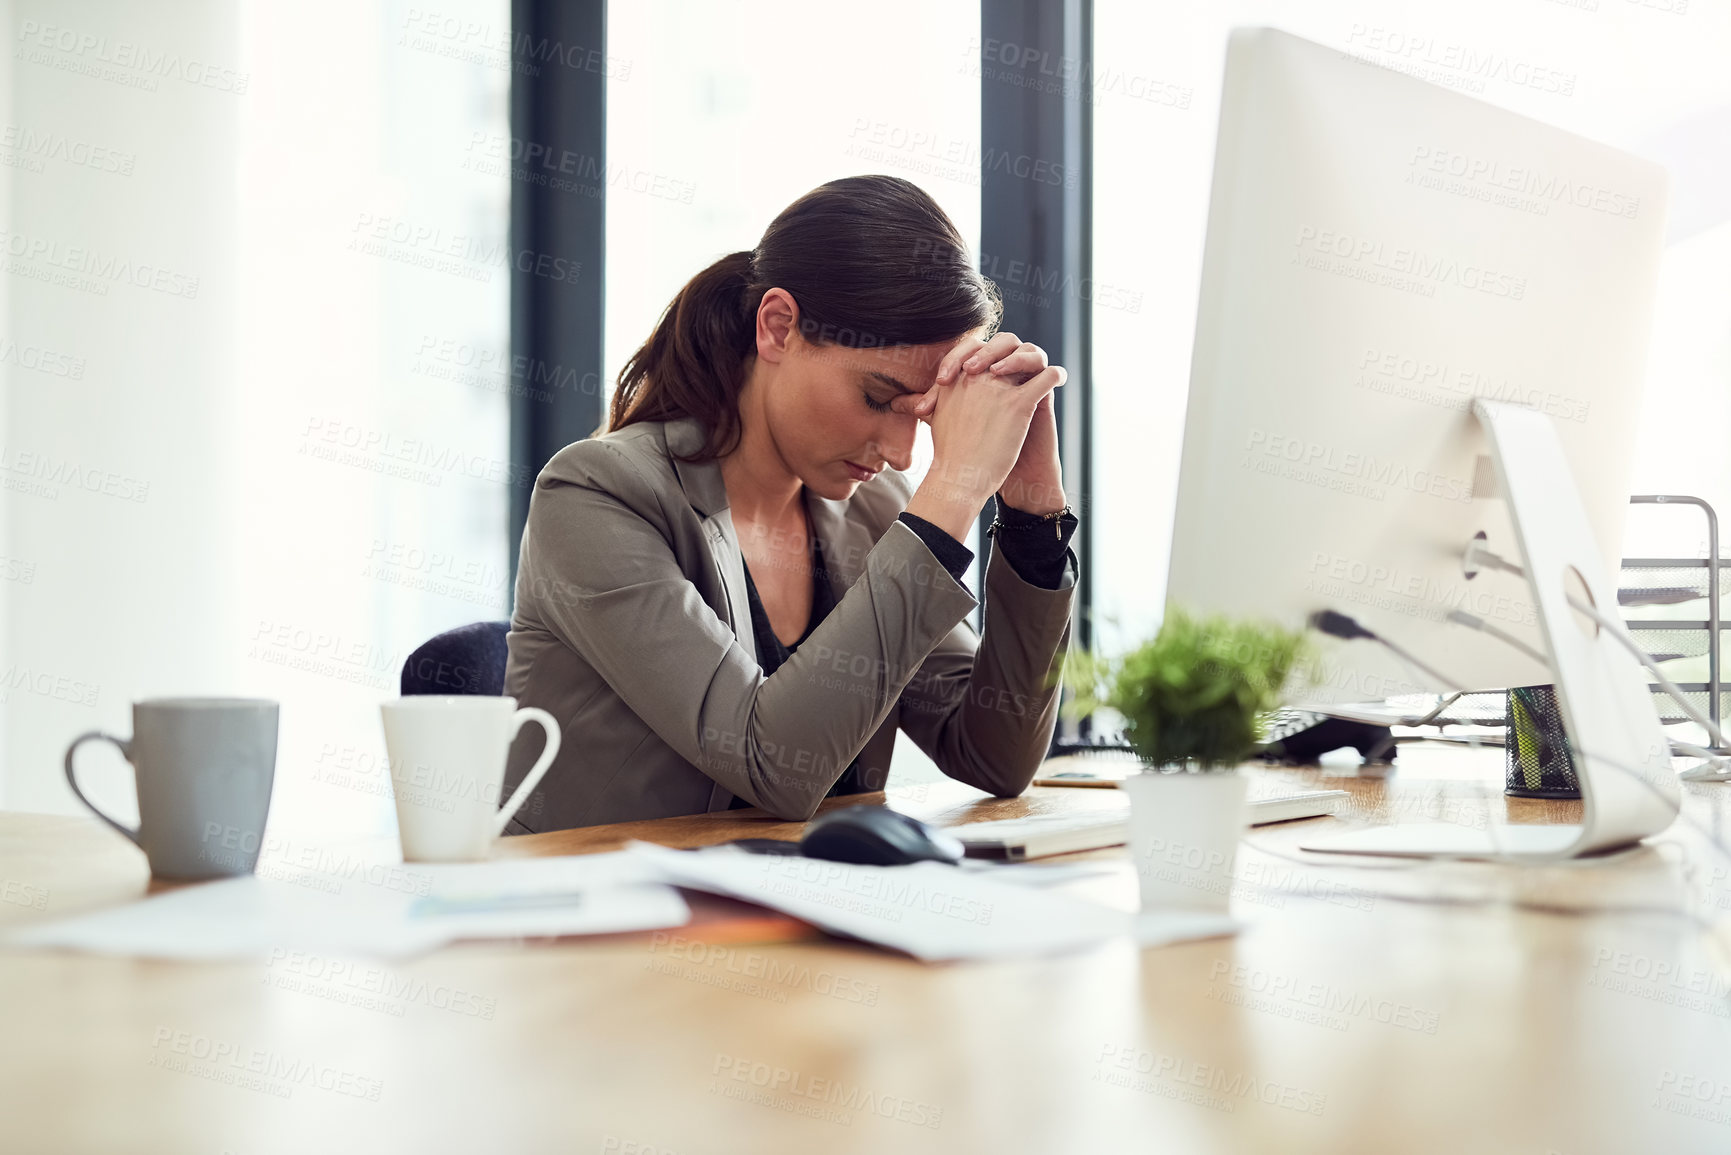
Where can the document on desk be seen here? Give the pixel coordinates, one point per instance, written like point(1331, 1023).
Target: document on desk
point(402, 911)
point(929, 910)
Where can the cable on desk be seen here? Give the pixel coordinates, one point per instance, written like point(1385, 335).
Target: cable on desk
point(1480, 555)
point(1340, 625)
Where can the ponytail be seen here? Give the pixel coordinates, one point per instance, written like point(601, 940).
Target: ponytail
point(872, 262)
point(693, 365)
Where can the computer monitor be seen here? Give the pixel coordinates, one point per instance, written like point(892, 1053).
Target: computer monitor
point(1380, 253)
point(1411, 301)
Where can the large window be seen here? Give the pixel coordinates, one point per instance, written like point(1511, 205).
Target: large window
point(720, 115)
point(374, 369)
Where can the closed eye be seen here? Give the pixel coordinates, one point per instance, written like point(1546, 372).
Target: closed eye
point(880, 406)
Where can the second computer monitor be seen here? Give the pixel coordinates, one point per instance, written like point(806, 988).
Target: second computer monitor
point(1380, 253)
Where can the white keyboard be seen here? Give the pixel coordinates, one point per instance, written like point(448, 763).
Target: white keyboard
point(1048, 834)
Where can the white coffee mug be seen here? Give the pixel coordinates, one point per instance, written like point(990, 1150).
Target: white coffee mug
point(447, 755)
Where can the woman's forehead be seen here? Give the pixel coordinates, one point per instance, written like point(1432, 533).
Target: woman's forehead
point(913, 366)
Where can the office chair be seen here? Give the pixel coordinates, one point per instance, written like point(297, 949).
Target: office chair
point(467, 660)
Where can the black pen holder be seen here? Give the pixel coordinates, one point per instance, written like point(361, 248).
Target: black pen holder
point(1538, 758)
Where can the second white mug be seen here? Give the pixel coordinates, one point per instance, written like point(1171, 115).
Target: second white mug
point(447, 755)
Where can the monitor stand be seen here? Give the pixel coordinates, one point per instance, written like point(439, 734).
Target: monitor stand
point(1622, 757)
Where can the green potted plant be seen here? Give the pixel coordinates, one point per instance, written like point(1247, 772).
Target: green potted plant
point(1194, 700)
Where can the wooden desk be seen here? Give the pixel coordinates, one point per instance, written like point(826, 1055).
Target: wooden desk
point(1370, 1006)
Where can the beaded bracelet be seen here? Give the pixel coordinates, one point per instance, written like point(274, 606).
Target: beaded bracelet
point(1033, 519)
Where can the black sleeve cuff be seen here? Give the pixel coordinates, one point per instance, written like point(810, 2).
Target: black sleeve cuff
point(951, 554)
point(1036, 548)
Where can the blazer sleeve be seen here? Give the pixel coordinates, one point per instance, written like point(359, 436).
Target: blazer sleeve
point(984, 708)
point(598, 573)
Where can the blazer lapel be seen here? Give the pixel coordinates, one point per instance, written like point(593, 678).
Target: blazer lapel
point(730, 561)
point(708, 496)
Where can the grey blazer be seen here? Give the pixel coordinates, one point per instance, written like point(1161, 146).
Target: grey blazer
point(632, 629)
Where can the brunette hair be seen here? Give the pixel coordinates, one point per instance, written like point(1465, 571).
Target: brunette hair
point(872, 262)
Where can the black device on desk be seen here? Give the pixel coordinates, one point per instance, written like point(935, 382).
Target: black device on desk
point(1295, 737)
point(866, 836)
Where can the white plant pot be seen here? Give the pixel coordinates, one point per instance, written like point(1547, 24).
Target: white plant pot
point(1184, 831)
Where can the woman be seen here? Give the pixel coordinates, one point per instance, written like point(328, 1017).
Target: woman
point(734, 597)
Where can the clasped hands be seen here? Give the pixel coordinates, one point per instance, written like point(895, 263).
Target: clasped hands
point(993, 423)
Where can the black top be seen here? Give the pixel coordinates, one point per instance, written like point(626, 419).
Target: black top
point(1035, 548)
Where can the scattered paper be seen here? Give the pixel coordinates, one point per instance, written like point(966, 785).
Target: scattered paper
point(519, 877)
point(236, 918)
point(421, 908)
point(1042, 873)
point(603, 910)
point(929, 910)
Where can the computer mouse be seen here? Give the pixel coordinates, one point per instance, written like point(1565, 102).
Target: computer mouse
point(876, 836)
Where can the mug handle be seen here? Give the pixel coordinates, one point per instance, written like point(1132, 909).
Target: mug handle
point(536, 772)
point(125, 748)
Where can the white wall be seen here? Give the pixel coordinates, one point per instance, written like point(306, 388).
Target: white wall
point(300, 430)
point(119, 460)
